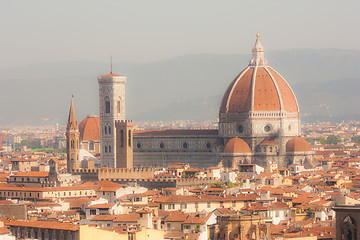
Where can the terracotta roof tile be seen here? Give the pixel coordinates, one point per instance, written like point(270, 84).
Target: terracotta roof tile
point(43, 224)
point(179, 132)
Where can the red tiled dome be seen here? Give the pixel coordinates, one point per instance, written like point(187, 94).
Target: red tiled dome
point(271, 92)
point(90, 128)
point(298, 144)
point(236, 145)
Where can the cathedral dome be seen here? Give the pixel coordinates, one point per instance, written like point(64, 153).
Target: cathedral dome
point(236, 145)
point(90, 128)
point(258, 88)
point(298, 144)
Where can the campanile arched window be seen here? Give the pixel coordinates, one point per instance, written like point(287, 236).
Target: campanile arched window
point(118, 107)
point(107, 105)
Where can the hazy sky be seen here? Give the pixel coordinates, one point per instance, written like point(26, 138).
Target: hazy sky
point(41, 31)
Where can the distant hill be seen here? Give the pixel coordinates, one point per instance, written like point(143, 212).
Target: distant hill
point(186, 87)
point(324, 101)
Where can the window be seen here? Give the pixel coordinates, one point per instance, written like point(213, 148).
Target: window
point(196, 205)
point(109, 149)
point(118, 106)
point(221, 204)
point(183, 206)
point(129, 138)
point(267, 128)
point(168, 226)
point(234, 203)
point(186, 226)
point(240, 129)
point(105, 129)
point(107, 106)
point(122, 137)
point(91, 146)
point(131, 236)
point(106, 149)
point(109, 130)
point(92, 211)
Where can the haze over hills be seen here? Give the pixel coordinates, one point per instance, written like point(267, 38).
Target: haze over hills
point(326, 83)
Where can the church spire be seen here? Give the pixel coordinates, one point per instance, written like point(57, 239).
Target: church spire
point(72, 123)
point(258, 54)
point(72, 140)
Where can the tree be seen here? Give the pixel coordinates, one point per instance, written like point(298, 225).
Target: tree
point(356, 139)
point(332, 140)
point(310, 140)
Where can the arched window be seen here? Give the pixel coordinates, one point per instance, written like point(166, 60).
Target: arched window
point(106, 148)
point(109, 148)
point(91, 146)
point(118, 106)
point(129, 138)
point(122, 138)
point(109, 130)
point(72, 143)
point(107, 105)
point(105, 129)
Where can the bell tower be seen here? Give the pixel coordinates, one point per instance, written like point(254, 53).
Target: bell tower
point(72, 140)
point(112, 108)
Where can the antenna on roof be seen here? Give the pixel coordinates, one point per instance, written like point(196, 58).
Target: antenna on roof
point(110, 63)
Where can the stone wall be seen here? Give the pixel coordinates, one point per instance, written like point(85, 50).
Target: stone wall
point(112, 174)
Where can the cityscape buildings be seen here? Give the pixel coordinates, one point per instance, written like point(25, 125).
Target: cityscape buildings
point(257, 173)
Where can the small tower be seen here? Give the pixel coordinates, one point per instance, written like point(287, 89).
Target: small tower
point(124, 143)
point(112, 108)
point(72, 140)
point(53, 172)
